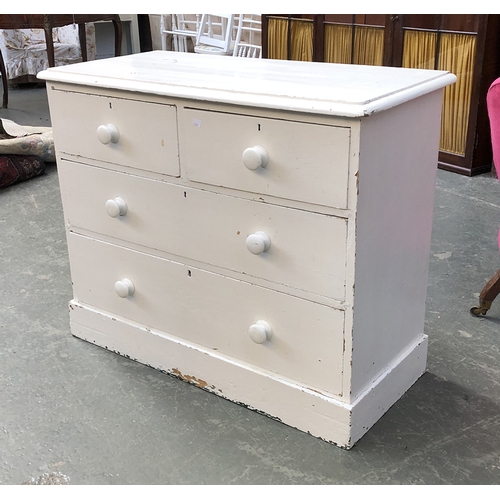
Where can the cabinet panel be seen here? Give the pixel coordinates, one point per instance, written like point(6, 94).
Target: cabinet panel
point(146, 133)
point(306, 162)
point(307, 251)
point(213, 311)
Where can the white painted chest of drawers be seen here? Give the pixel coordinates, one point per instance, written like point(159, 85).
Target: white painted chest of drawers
point(258, 228)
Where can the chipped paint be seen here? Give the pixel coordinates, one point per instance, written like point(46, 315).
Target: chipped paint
point(189, 378)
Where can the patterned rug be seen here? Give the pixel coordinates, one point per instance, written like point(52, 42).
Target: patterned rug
point(17, 168)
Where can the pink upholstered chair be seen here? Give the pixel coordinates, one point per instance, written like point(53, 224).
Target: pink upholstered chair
point(492, 288)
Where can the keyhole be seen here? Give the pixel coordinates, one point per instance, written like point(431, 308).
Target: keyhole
point(189, 273)
point(258, 127)
point(110, 106)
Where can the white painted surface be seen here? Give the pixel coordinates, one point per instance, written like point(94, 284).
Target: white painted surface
point(288, 85)
point(210, 228)
point(303, 161)
point(394, 225)
point(119, 131)
point(321, 323)
point(212, 311)
point(322, 415)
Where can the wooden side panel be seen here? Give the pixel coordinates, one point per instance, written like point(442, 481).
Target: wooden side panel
point(397, 174)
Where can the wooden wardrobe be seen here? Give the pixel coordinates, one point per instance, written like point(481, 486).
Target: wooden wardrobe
point(468, 45)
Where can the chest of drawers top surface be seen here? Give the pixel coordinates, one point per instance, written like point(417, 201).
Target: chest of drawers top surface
point(288, 85)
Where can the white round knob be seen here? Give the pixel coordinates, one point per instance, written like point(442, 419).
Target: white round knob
point(124, 288)
point(255, 158)
point(108, 133)
point(260, 332)
point(258, 242)
point(116, 207)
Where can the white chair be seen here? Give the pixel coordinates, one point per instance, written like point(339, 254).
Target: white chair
point(216, 34)
point(248, 36)
point(183, 27)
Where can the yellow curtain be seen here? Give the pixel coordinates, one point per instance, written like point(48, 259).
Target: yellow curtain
point(302, 41)
point(456, 54)
point(368, 45)
point(419, 49)
point(338, 42)
point(277, 38)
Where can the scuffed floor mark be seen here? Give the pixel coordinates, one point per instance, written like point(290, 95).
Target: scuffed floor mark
point(443, 256)
point(32, 199)
point(464, 334)
point(280, 468)
point(49, 478)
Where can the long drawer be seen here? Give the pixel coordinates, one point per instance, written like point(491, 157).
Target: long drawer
point(213, 311)
point(307, 250)
point(144, 134)
point(298, 161)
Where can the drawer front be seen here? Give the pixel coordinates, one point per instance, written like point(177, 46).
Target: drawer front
point(213, 311)
point(146, 138)
point(307, 250)
point(305, 162)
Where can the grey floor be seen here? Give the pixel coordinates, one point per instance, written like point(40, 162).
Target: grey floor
point(88, 416)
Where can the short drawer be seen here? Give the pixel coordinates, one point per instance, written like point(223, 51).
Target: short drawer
point(212, 311)
point(305, 162)
point(136, 134)
point(307, 250)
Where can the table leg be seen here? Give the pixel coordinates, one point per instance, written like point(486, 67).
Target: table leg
point(118, 37)
point(82, 35)
point(47, 26)
point(5, 83)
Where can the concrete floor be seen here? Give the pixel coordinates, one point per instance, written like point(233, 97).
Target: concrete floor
point(73, 409)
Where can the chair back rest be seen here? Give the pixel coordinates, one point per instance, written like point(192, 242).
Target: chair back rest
point(216, 30)
point(248, 36)
point(493, 103)
point(188, 23)
point(180, 27)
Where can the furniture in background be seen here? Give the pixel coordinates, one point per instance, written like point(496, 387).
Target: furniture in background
point(465, 44)
point(492, 288)
point(37, 51)
point(3, 74)
point(224, 227)
point(216, 35)
point(105, 37)
point(248, 41)
point(182, 28)
point(220, 34)
point(130, 34)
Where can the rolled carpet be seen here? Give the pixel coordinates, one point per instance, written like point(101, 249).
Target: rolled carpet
point(17, 168)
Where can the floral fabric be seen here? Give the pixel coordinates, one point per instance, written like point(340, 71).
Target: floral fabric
point(25, 53)
point(24, 140)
